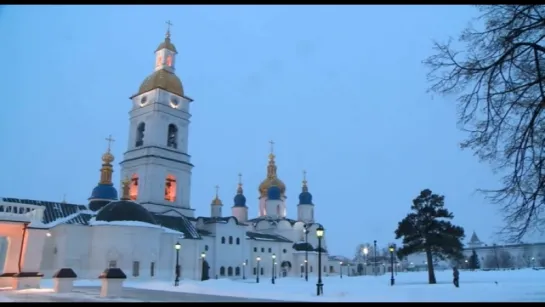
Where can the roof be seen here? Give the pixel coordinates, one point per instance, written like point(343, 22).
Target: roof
point(164, 80)
point(179, 223)
point(53, 210)
point(125, 210)
point(303, 246)
point(218, 220)
point(264, 218)
point(258, 236)
point(474, 238)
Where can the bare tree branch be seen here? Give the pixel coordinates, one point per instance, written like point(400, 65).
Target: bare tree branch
point(498, 79)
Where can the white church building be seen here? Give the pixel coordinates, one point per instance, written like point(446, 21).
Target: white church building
point(139, 230)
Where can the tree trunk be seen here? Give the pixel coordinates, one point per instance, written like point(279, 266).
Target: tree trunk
point(431, 273)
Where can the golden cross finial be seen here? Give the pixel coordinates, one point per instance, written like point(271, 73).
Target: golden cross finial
point(272, 146)
point(168, 27)
point(239, 178)
point(304, 177)
point(110, 140)
point(217, 190)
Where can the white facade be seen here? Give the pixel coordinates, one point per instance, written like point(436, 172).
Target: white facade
point(158, 167)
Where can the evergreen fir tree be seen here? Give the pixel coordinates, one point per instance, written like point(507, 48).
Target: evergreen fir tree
point(474, 262)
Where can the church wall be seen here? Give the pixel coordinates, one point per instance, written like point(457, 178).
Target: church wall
point(67, 246)
point(265, 250)
point(228, 255)
point(189, 257)
point(131, 249)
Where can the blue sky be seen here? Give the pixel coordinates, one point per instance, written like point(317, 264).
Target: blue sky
point(340, 89)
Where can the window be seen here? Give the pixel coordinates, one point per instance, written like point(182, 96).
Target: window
point(169, 60)
point(331, 269)
point(135, 268)
point(206, 248)
point(262, 271)
point(278, 210)
point(255, 249)
point(172, 136)
point(325, 269)
point(159, 61)
point(238, 241)
point(133, 190)
point(270, 250)
point(112, 264)
point(284, 251)
point(170, 188)
point(302, 268)
point(222, 271)
point(255, 271)
point(230, 240)
point(262, 250)
point(152, 269)
point(140, 134)
point(237, 271)
point(310, 269)
point(230, 271)
point(222, 240)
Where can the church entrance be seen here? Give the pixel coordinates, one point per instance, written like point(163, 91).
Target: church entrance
point(286, 267)
point(205, 270)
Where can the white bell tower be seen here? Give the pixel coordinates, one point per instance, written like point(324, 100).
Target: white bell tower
point(157, 161)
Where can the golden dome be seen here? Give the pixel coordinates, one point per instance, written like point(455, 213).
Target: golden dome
point(268, 182)
point(164, 80)
point(167, 44)
point(272, 179)
point(107, 158)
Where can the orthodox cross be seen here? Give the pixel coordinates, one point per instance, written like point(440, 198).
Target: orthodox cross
point(217, 190)
point(272, 146)
point(110, 140)
point(168, 26)
point(240, 178)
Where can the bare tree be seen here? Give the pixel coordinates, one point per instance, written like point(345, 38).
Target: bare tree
point(499, 81)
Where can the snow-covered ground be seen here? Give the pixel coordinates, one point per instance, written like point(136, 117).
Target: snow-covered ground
point(493, 286)
point(512, 286)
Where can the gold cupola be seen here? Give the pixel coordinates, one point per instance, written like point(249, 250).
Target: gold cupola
point(163, 77)
point(107, 169)
point(272, 178)
point(217, 201)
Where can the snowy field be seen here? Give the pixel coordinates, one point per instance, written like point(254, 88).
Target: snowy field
point(493, 286)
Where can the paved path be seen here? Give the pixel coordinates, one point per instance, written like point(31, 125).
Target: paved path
point(147, 295)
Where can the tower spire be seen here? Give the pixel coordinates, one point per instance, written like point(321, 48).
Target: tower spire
point(305, 187)
point(239, 189)
point(271, 168)
point(125, 184)
point(107, 159)
point(169, 24)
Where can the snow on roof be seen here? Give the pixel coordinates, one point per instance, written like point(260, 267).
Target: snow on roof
point(94, 222)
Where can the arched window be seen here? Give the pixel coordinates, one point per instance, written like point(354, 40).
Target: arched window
point(237, 271)
point(230, 271)
point(310, 269)
point(222, 240)
point(222, 271)
point(170, 188)
point(331, 269)
point(255, 271)
point(325, 269)
point(302, 268)
point(172, 137)
point(133, 190)
point(270, 250)
point(206, 248)
point(140, 134)
point(238, 241)
point(230, 240)
point(278, 210)
point(284, 250)
point(262, 271)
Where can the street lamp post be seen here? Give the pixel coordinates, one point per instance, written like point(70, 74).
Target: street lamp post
point(392, 279)
point(341, 268)
point(177, 247)
point(320, 285)
point(203, 255)
point(365, 252)
point(272, 270)
point(244, 269)
point(375, 260)
point(306, 252)
point(257, 275)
